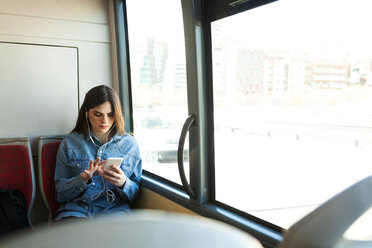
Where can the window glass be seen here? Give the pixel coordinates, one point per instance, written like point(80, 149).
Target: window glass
point(292, 104)
point(158, 77)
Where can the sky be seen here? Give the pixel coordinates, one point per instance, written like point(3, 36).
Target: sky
point(158, 19)
point(309, 23)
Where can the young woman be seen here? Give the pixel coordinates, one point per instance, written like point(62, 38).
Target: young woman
point(83, 187)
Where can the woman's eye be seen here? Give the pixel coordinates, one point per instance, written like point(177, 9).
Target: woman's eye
point(98, 115)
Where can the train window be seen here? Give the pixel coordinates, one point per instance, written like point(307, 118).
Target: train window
point(158, 76)
point(292, 89)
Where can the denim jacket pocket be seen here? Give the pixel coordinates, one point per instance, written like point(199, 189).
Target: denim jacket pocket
point(77, 166)
point(127, 169)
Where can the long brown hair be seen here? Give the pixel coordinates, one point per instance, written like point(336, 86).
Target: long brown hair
point(97, 96)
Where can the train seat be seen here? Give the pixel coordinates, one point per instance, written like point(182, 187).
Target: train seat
point(48, 147)
point(326, 225)
point(16, 168)
point(141, 228)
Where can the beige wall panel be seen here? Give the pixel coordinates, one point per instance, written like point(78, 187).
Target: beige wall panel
point(152, 200)
point(77, 10)
point(38, 93)
point(79, 24)
point(94, 60)
point(95, 66)
point(53, 29)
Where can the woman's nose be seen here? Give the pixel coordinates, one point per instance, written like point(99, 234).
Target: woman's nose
point(105, 119)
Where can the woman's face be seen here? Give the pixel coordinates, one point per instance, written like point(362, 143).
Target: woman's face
point(101, 118)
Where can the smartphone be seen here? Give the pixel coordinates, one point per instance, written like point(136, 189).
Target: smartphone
point(112, 161)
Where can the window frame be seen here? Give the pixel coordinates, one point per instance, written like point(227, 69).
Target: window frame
point(123, 62)
point(197, 18)
point(218, 9)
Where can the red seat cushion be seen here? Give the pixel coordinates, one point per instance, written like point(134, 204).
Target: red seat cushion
point(49, 156)
point(15, 170)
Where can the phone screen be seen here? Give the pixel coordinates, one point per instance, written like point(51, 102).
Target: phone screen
point(112, 161)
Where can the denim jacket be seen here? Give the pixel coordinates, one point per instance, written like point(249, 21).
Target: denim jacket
point(97, 196)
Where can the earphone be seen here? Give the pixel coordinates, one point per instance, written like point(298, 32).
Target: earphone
point(110, 195)
point(90, 136)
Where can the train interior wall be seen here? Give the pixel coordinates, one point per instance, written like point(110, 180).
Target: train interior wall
point(52, 53)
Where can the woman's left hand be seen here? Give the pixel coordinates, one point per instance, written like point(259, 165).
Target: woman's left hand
point(114, 175)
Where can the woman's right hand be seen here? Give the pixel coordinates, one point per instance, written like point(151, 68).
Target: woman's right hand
point(92, 170)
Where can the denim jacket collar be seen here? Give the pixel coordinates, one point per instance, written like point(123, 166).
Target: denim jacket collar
point(93, 135)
